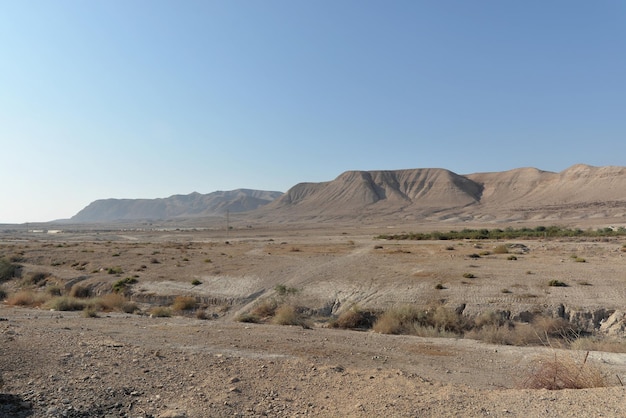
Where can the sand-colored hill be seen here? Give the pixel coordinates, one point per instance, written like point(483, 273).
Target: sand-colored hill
point(178, 206)
point(522, 194)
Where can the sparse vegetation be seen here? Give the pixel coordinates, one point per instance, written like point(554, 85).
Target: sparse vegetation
point(557, 283)
point(563, 371)
point(511, 258)
point(8, 270)
point(283, 290)
point(114, 270)
point(66, 303)
point(184, 303)
point(80, 291)
point(508, 233)
point(501, 249)
point(288, 314)
point(160, 312)
point(469, 275)
point(353, 318)
point(122, 284)
point(27, 298)
point(196, 282)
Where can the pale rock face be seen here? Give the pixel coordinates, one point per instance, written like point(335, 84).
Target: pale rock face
point(615, 325)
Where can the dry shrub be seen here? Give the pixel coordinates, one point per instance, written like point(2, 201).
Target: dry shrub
point(595, 344)
point(400, 320)
point(36, 278)
point(264, 309)
point(248, 317)
point(184, 303)
point(288, 314)
point(80, 291)
point(27, 298)
point(501, 249)
point(353, 318)
point(66, 303)
point(563, 372)
point(160, 312)
point(553, 327)
point(115, 302)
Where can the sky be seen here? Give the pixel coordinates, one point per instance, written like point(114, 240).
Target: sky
point(148, 98)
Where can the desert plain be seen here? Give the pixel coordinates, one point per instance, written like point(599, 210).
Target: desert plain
point(214, 358)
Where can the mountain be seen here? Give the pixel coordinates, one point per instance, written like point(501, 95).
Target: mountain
point(177, 206)
point(358, 193)
point(435, 194)
point(413, 195)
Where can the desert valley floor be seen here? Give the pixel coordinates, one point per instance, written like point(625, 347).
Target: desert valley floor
point(204, 361)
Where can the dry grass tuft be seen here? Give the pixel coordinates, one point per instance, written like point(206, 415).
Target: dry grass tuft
point(353, 318)
point(115, 302)
point(27, 298)
point(80, 291)
point(184, 303)
point(264, 309)
point(160, 312)
point(66, 303)
point(563, 372)
point(288, 314)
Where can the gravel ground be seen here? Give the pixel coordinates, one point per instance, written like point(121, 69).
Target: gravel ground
point(65, 365)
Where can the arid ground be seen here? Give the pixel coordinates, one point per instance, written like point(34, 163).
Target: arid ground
point(201, 361)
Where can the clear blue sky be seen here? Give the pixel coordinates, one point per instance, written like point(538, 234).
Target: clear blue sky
point(149, 98)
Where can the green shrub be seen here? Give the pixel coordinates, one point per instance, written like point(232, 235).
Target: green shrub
point(115, 270)
point(469, 275)
point(9, 270)
point(196, 282)
point(122, 284)
point(283, 290)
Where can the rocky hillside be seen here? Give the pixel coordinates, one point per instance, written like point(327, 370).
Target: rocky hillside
point(581, 191)
point(177, 206)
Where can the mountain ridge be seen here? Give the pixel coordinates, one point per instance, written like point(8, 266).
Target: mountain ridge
point(421, 194)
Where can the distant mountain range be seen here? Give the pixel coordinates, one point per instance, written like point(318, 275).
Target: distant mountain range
point(428, 194)
point(192, 205)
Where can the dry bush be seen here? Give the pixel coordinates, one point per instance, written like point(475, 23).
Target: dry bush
point(36, 278)
point(264, 309)
point(115, 302)
point(66, 303)
point(248, 317)
point(288, 314)
point(27, 298)
point(553, 327)
point(184, 303)
point(563, 372)
point(353, 318)
point(501, 249)
point(80, 291)
point(160, 312)
point(595, 344)
point(400, 320)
